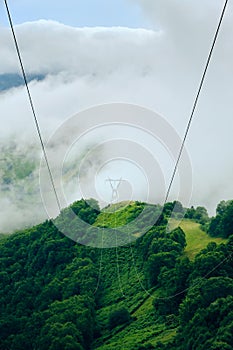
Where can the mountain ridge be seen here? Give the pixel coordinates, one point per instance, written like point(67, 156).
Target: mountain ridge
point(57, 294)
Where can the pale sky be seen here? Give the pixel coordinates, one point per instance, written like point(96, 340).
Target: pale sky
point(78, 13)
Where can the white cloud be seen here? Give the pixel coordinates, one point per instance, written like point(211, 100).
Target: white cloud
point(51, 47)
point(158, 69)
point(188, 28)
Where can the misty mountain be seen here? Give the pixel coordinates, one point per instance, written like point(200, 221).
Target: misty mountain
point(20, 191)
point(19, 186)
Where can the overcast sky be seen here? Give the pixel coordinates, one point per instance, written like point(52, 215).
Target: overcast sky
point(146, 52)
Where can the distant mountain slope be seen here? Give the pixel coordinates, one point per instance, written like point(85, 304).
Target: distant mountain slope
point(11, 80)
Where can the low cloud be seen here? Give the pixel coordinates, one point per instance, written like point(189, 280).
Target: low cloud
point(159, 69)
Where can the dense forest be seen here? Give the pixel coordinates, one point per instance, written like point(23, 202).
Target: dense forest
point(152, 293)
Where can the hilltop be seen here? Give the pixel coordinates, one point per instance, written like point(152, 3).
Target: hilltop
point(157, 292)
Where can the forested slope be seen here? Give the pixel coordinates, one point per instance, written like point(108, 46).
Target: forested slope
point(58, 294)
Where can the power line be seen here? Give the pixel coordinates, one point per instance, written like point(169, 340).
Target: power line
point(188, 125)
point(31, 103)
point(196, 100)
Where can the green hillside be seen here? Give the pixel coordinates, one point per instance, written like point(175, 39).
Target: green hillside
point(57, 294)
point(196, 238)
point(3, 236)
point(118, 214)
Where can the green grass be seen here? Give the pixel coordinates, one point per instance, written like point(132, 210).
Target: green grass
point(125, 289)
point(144, 328)
point(118, 214)
point(196, 238)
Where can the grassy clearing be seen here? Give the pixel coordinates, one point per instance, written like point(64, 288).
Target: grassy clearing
point(119, 214)
point(195, 237)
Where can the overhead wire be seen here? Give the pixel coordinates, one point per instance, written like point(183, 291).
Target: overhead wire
point(196, 100)
point(189, 121)
point(182, 148)
point(32, 104)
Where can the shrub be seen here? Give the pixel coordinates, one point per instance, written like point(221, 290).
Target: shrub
point(118, 317)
